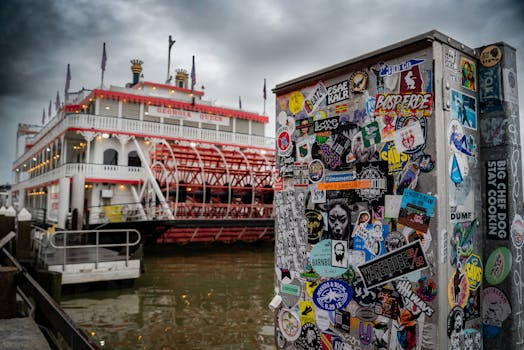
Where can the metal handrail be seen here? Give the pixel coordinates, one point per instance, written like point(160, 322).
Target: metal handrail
point(67, 234)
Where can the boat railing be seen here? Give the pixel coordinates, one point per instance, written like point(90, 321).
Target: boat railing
point(86, 246)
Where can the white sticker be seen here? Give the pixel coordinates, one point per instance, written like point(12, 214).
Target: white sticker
point(392, 206)
point(409, 137)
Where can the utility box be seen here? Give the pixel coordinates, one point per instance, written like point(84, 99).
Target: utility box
point(379, 207)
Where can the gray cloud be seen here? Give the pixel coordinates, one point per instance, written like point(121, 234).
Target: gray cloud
point(236, 43)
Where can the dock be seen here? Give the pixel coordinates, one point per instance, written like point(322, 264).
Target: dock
point(21, 334)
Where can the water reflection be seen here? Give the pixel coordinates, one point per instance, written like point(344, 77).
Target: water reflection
point(188, 298)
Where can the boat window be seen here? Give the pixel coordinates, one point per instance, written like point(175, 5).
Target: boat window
point(133, 159)
point(110, 157)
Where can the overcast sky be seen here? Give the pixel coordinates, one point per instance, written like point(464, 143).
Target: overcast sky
point(236, 44)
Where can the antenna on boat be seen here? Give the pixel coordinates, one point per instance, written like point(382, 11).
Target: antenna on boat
point(171, 42)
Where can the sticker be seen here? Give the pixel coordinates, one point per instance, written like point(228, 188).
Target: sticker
point(289, 324)
point(458, 288)
point(458, 141)
point(317, 196)
point(337, 92)
point(338, 220)
point(461, 200)
point(517, 231)
point(381, 331)
point(371, 239)
point(415, 214)
point(403, 287)
point(387, 304)
point(339, 253)
point(458, 168)
point(425, 162)
point(370, 106)
point(322, 319)
point(464, 109)
point(280, 340)
point(364, 296)
point(472, 339)
point(296, 100)
point(490, 94)
point(509, 78)
point(315, 225)
point(490, 56)
point(320, 259)
point(393, 265)
point(469, 73)
point(450, 59)
point(285, 120)
point(455, 326)
point(371, 134)
point(365, 333)
point(462, 241)
point(495, 310)
point(332, 295)
point(408, 178)
point(315, 98)
point(316, 171)
point(497, 199)
point(342, 320)
point(359, 151)
point(327, 124)
point(408, 138)
point(422, 200)
point(403, 122)
point(411, 81)
point(394, 240)
point(404, 105)
point(472, 308)
point(392, 206)
point(284, 144)
point(474, 271)
point(368, 314)
point(385, 69)
point(309, 338)
point(380, 181)
point(290, 292)
point(498, 265)
point(307, 313)
point(426, 289)
point(358, 81)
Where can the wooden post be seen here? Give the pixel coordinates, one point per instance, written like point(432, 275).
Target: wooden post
point(51, 281)
point(23, 240)
point(7, 292)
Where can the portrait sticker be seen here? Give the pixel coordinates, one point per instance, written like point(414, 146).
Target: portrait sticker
point(496, 199)
point(469, 73)
point(339, 252)
point(320, 259)
point(316, 171)
point(395, 264)
point(458, 288)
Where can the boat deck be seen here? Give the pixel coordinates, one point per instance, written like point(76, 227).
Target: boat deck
point(85, 255)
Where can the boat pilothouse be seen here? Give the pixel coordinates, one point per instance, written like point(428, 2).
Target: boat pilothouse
point(149, 152)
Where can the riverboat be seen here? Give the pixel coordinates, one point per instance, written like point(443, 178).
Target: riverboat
point(152, 156)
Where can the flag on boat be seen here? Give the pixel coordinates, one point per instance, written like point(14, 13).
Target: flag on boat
point(264, 90)
point(43, 116)
point(49, 109)
point(68, 79)
point(239, 102)
point(104, 58)
point(57, 101)
point(193, 75)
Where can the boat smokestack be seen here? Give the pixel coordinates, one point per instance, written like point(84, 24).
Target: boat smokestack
point(136, 68)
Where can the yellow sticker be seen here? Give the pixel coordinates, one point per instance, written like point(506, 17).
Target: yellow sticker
point(307, 313)
point(295, 102)
point(310, 287)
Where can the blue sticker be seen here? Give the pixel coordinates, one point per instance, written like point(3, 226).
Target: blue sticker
point(332, 295)
point(420, 199)
point(320, 259)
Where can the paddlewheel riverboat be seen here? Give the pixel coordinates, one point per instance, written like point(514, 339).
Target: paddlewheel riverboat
point(150, 156)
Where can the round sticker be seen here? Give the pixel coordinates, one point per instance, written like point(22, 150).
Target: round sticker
point(490, 56)
point(289, 324)
point(456, 321)
point(309, 337)
point(316, 171)
point(495, 309)
point(394, 240)
point(517, 231)
point(320, 259)
point(498, 265)
point(295, 102)
point(332, 295)
point(315, 225)
point(284, 141)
